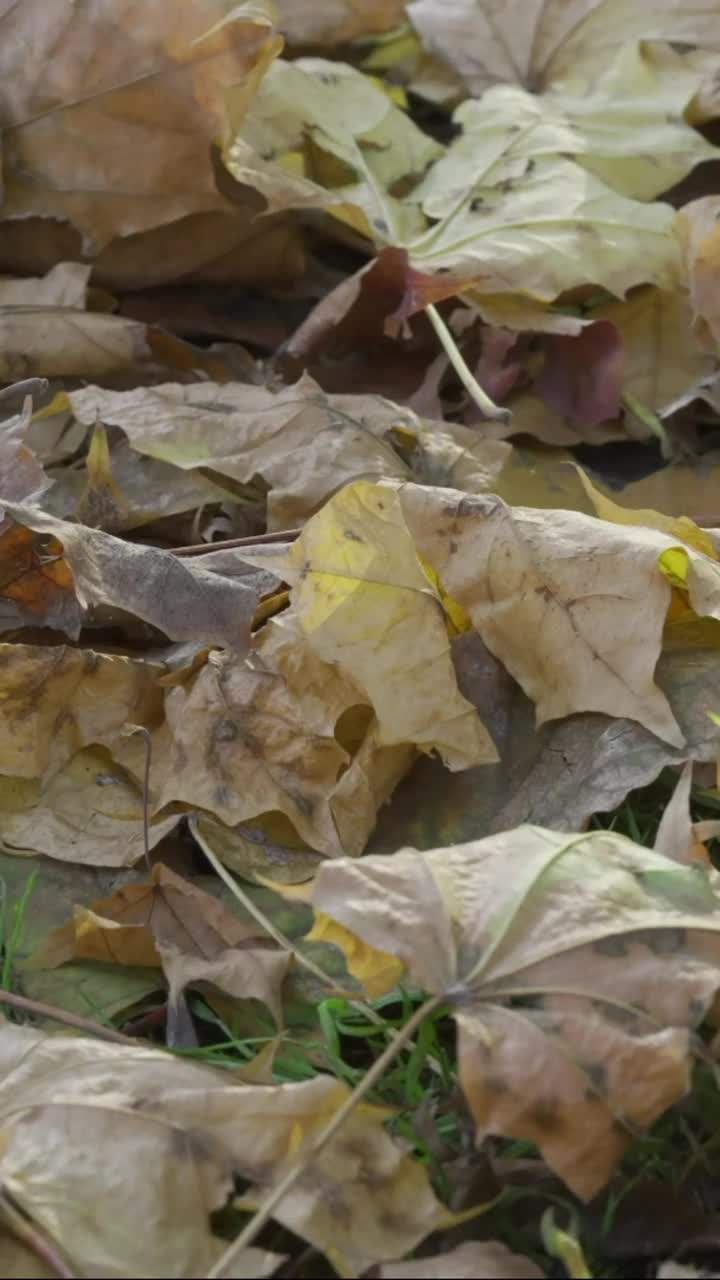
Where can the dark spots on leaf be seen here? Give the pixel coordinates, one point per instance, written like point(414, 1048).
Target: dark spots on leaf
point(380, 225)
point(453, 546)
point(328, 77)
point(226, 731)
point(304, 803)
point(221, 795)
point(613, 946)
point(352, 536)
point(476, 203)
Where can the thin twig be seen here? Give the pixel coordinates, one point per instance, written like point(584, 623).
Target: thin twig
point(258, 915)
point(231, 544)
point(286, 943)
point(470, 383)
point(224, 1266)
point(61, 1015)
point(37, 1241)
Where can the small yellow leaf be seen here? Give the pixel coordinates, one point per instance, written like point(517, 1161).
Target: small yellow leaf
point(378, 971)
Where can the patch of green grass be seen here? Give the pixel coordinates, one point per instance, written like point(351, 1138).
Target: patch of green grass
point(12, 926)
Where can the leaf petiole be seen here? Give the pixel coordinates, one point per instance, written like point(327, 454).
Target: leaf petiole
point(470, 383)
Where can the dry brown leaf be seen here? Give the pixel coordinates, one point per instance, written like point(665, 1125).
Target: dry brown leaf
point(181, 600)
point(173, 923)
point(115, 134)
point(565, 580)
point(90, 811)
point(661, 359)
point(306, 22)
point(539, 41)
point(261, 737)
point(365, 603)
point(542, 941)
point(557, 776)
point(303, 443)
point(81, 1117)
point(57, 700)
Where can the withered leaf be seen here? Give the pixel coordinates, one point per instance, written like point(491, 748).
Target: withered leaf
point(587, 956)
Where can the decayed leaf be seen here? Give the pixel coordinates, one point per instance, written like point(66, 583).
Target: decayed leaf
point(173, 923)
point(57, 796)
point(115, 136)
point(90, 811)
point(587, 956)
point(365, 603)
point(57, 700)
point(474, 1260)
point(540, 41)
point(498, 564)
point(306, 22)
point(81, 568)
point(303, 443)
point(556, 776)
point(262, 737)
point(660, 359)
point(81, 1117)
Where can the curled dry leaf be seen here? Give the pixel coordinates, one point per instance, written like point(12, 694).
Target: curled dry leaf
point(521, 572)
point(80, 1117)
point(305, 444)
point(555, 776)
point(366, 604)
point(174, 924)
point(283, 732)
point(78, 568)
point(578, 967)
point(90, 811)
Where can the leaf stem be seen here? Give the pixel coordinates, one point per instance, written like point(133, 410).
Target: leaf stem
point(470, 383)
point(224, 1265)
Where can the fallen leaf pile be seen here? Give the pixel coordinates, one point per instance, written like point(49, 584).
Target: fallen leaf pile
point(359, 475)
